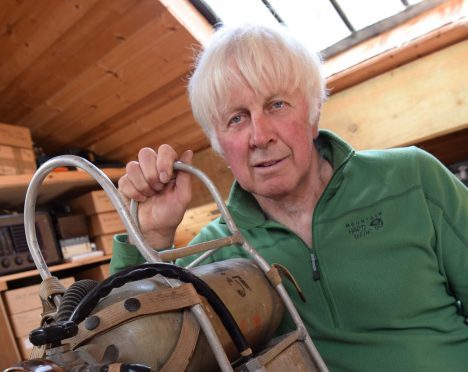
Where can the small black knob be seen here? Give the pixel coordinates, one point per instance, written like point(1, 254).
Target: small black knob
point(19, 260)
point(5, 262)
point(53, 333)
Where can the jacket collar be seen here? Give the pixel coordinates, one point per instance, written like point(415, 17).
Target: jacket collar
point(244, 207)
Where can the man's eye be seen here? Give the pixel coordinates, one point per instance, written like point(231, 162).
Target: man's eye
point(235, 119)
point(278, 105)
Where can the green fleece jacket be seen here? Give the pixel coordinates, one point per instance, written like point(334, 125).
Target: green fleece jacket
point(387, 271)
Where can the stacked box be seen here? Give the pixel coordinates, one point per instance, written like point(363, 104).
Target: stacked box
point(103, 220)
point(24, 310)
point(16, 150)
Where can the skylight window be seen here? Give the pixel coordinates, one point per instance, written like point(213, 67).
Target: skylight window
point(329, 26)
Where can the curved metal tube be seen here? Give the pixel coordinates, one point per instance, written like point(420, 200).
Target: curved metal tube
point(130, 224)
point(106, 184)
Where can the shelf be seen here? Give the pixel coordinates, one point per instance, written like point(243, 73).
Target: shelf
point(56, 185)
point(4, 280)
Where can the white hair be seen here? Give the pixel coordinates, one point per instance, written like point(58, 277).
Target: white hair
point(266, 59)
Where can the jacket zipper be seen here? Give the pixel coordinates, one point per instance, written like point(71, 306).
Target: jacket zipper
point(315, 268)
point(314, 259)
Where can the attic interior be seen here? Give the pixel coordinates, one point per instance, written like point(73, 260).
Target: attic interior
point(110, 77)
point(107, 78)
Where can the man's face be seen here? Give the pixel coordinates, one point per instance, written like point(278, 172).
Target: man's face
point(267, 141)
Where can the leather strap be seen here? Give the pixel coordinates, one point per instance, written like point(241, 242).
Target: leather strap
point(49, 288)
point(150, 303)
point(277, 271)
point(180, 357)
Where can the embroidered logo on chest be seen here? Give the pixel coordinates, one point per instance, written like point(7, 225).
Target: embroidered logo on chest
point(365, 226)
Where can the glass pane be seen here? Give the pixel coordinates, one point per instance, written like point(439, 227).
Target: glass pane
point(362, 13)
point(314, 21)
point(241, 11)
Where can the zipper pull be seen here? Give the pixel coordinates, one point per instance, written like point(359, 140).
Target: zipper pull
point(315, 269)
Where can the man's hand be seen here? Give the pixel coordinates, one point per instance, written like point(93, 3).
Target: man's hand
point(162, 193)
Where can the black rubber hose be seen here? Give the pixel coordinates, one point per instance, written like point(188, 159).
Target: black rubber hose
point(149, 270)
point(73, 297)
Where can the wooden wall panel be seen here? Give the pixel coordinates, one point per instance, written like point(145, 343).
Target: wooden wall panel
point(28, 31)
point(416, 102)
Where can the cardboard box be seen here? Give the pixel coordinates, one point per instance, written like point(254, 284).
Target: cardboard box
point(92, 203)
point(25, 322)
point(15, 160)
point(105, 243)
point(15, 135)
point(25, 347)
point(98, 273)
point(105, 223)
point(27, 298)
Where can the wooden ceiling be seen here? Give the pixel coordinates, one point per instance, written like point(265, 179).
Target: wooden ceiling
point(110, 75)
point(105, 75)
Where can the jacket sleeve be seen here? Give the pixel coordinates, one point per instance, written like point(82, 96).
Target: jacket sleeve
point(124, 254)
point(447, 198)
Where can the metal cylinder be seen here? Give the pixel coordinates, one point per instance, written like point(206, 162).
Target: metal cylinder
point(151, 340)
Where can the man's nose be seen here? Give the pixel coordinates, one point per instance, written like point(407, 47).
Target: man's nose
point(262, 131)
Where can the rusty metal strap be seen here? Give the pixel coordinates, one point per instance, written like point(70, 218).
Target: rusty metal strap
point(149, 303)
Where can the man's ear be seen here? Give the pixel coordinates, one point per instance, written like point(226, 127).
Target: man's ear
point(315, 125)
point(315, 131)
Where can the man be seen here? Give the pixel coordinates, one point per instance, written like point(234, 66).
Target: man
point(377, 240)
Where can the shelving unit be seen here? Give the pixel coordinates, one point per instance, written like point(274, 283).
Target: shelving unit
point(4, 280)
point(56, 186)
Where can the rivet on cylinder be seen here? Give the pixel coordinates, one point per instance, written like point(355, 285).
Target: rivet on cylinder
point(132, 304)
point(92, 322)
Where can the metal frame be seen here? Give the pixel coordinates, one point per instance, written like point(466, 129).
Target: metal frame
point(130, 220)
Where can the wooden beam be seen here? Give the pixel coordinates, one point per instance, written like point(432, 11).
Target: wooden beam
point(416, 102)
point(431, 31)
point(190, 18)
